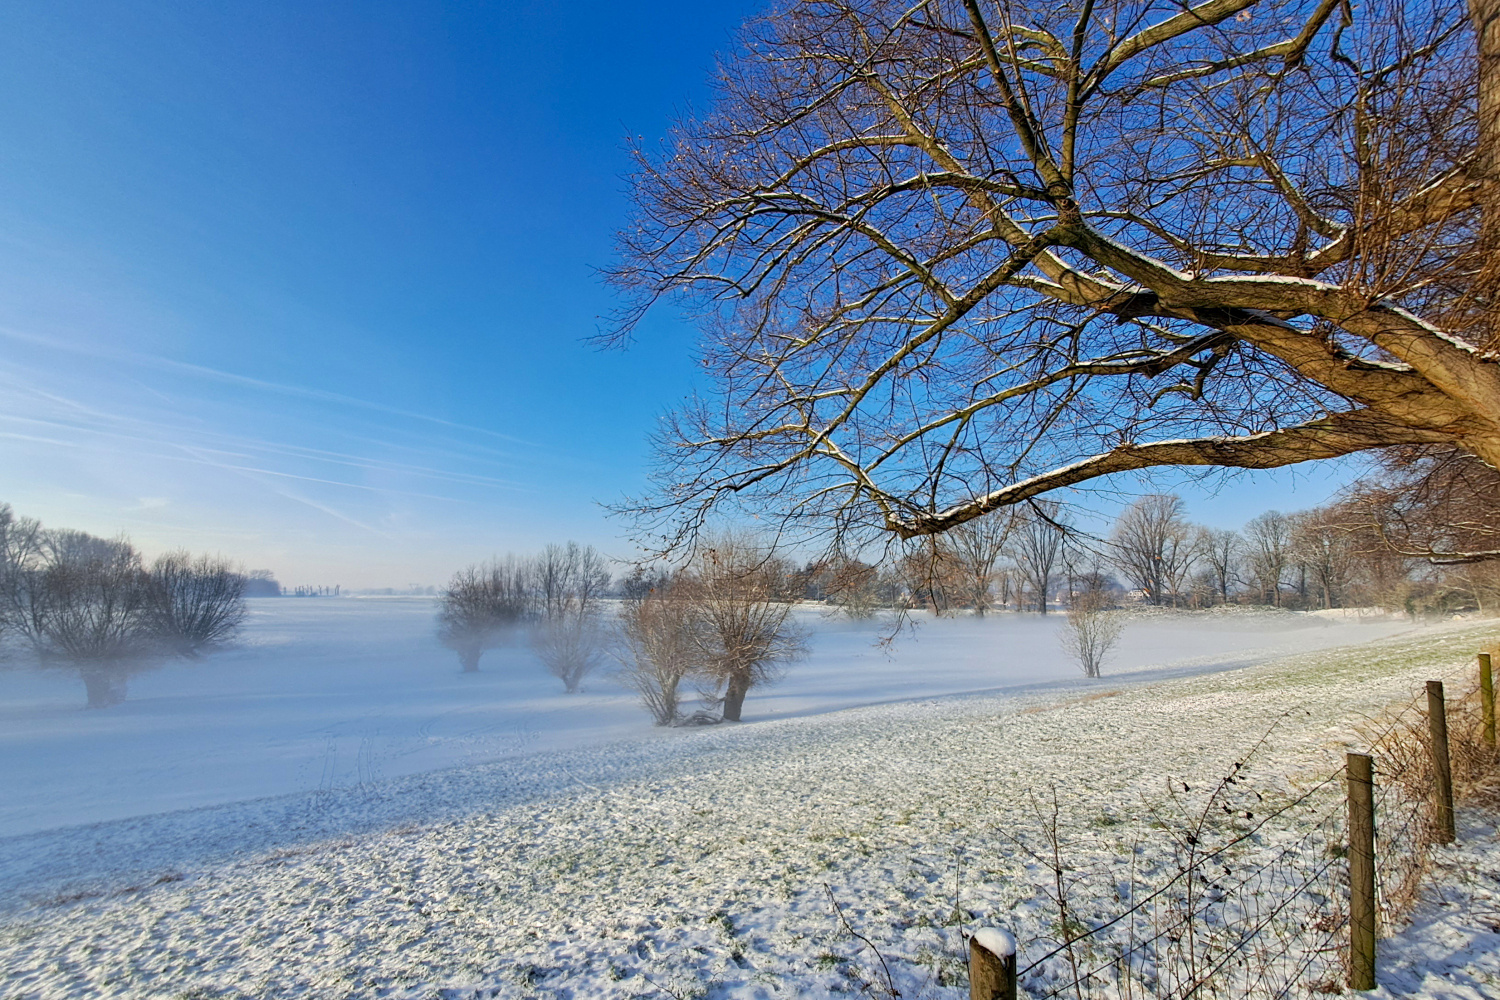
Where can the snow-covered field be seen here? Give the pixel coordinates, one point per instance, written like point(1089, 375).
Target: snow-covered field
point(579, 853)
point(327, 695)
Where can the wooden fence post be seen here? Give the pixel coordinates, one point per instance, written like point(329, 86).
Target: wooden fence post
point(1361, 871)
point(992, 965)
point(1443, 829)
point(1487, 697)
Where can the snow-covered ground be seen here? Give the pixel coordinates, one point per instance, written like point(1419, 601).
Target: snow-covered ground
point(1451, 948)
point(324, 695)
point(593, 857)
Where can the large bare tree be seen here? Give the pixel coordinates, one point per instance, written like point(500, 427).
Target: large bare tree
point(1323, 546)
point(952, 255)
point(1036, 546)
point(195, 605)
point(87, 609)
point(1268, 537)
point(1154, 546)
point(976, 548)
point(482, 603)
point(658, 647)
point(742, 621)
point(1220, 549)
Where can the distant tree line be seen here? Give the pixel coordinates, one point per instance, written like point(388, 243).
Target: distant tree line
point(92, 605)
point(721, 624)
point(262, 583)
point(1386, 542)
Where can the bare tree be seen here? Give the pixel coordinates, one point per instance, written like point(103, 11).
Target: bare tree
point(88, 610)
point(745, 633)
point(1269, 541)
point(1379, 575)
point(1036, 545)
point(1152, 544)
point(1091, 631)
point(572, 581)
point(976, 547)
point(1323, 546)
point(481, 603)
point(658, 649)
point(929, 575)
point(1438, 504)
point(87, 603)
point(1220, 550)
point(194, 606)
point(21, 553)
point(852, 585)
point(960, 254)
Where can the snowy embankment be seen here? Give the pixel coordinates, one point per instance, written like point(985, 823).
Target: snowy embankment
point(699, 862)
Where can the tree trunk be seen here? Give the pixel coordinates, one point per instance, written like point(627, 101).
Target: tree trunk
point(469, 658)
point(734, 697)
point(105, 686)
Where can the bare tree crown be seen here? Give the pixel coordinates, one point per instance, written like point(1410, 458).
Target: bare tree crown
point(953, 255)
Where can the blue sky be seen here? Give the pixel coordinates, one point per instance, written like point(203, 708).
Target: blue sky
point(309, 284)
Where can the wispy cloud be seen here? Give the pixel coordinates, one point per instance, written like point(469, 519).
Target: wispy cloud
point(182, 454)
point(231, 378)
point(282, 491)
point(140, 430)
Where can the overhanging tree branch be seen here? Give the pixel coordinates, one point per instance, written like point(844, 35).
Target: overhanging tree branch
point(951, 257)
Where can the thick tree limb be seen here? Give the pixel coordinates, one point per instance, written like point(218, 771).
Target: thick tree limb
point(1328, 437)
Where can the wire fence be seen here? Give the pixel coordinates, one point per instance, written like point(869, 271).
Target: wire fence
point(1255, 900)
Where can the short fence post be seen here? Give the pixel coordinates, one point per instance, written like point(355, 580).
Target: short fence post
point(1443, 829)
point(1487, 697)
point(992, 965)
point(1361, 871)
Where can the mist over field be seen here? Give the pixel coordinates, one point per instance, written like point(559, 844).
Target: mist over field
point(336, 694)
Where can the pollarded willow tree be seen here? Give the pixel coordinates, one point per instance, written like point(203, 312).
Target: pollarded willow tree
point(954, 255)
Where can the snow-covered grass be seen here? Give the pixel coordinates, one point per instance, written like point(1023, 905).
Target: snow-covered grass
point(706, 862)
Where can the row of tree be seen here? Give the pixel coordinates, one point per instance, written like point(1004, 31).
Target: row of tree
point(557, 597)
point(1033, 557)
point(722, 621)
point(93, 605)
